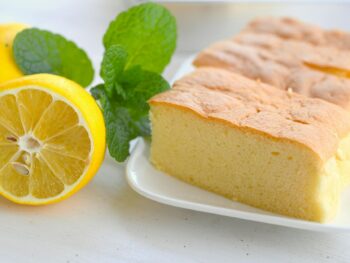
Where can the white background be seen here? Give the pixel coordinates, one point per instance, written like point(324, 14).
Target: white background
point(107, 221)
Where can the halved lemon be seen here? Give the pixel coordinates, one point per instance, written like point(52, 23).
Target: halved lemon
point(52, 138)
point(8, 67)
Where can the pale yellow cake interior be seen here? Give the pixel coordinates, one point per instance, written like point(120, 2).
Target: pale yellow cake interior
point(274, 174)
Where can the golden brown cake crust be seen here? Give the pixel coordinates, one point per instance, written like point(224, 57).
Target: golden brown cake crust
point(220, 95)
point(288, 55)
point(289, 28)
point(291, 52)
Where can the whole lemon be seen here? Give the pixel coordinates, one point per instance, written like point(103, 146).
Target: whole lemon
point(8, 68)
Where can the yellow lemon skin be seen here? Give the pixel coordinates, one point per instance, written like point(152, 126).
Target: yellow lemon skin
point(8, 67)
point(89, 110)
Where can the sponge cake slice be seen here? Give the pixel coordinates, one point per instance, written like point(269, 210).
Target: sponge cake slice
point(253, 143)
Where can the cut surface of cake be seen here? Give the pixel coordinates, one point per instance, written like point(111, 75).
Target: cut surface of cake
point(278, 52)
point(250, 142)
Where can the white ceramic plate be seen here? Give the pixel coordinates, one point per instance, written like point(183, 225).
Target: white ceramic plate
point(153, 184)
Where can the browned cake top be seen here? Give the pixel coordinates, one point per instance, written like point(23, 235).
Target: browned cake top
point(221, 95)
point(289, 28)
point(276, 52)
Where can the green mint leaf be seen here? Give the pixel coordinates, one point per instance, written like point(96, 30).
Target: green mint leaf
point(120, 131)
point(40, 51)
point(131, 77)
point(148, 34)
point(144, 126)
point(120, 127)
point(140, 86)
point(112, 67)
point(95, 91)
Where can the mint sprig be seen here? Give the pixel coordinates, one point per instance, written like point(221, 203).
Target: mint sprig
point(148, 34)
point(124, 101)
point(40, 51)
point(139, 44)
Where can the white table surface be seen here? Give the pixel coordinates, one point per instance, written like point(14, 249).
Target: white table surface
point(107, 221)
